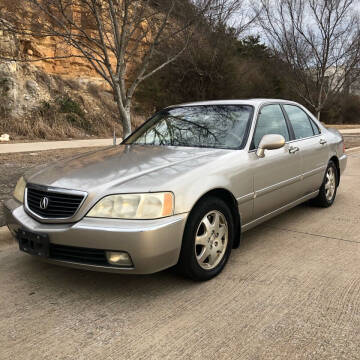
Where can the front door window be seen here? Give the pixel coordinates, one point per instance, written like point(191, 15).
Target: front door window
point(271, 120)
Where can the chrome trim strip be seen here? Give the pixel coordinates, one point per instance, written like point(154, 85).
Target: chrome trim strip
point(306, 138)
point(245, 198)
point(268, 189)
point(277, 186)
point(54, 190)
point(109, 227)
point(313, 172)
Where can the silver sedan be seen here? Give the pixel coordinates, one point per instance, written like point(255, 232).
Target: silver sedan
point(180, 190)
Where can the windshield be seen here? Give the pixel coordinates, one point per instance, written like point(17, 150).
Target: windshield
point(215, 126)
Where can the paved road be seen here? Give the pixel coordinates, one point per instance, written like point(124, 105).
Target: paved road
point(52, 145)
point(291, 291)
point(350, 131)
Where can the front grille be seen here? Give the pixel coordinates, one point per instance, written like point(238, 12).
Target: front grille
point(60, 205)
point(78, 255)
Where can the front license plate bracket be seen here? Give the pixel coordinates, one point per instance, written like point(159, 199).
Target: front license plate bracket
point(33, 243)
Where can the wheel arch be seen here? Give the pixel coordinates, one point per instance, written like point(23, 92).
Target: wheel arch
point(335, 160)
point(228, 197)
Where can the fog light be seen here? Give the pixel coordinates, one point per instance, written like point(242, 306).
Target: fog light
point(119, 258)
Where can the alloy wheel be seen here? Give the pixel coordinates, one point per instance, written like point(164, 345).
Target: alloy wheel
point(330, 183)
point(211, 240)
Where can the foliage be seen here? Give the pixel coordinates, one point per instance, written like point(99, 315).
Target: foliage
point(220, 67)
point(69, 106)
point(343, 110)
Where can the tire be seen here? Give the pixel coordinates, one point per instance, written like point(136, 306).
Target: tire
point(328, 189)
point(206, 247)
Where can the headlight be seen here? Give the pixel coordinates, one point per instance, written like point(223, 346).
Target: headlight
point(20, 190)
point(134, 206)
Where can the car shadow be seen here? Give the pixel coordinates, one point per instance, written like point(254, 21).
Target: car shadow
point(46, 275)
point(43, 275)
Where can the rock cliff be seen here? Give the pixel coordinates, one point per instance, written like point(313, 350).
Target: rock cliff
point(32, 94)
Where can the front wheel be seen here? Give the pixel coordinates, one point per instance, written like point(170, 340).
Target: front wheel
point(327, 192)
point(207, 241)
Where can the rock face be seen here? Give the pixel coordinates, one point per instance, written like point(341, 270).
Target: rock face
point(8, 86)
point(35, 49)
point(25, 85)
point(4, 137)
point(40, 95)
point(9, 45)
point(34, 104)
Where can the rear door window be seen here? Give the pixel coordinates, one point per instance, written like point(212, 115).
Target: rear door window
point(315, 127)
point(300, 122)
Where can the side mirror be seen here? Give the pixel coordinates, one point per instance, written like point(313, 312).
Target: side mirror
point(270, 142)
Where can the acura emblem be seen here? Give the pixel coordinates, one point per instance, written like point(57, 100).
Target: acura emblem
point(44, 202)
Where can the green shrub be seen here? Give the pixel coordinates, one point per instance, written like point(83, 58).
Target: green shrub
point(351, 110)
point(69, 106)
point(344, 109)
point(44, 108)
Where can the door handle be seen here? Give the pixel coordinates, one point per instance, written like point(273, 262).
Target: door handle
point(323, 141)
point(293, 149)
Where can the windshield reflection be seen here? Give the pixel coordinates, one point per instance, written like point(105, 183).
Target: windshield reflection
point(215, 126)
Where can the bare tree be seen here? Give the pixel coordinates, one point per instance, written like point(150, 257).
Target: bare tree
point(118, 38)
point(234, 14)
point(319, 40)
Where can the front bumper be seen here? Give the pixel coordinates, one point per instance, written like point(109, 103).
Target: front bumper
point(153, 245)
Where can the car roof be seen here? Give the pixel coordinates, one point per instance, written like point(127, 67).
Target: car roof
point(254, 102)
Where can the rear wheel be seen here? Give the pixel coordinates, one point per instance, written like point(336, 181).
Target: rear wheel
point(327, 192)
point(207, 241)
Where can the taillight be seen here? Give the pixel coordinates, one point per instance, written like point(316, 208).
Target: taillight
point(344, 147)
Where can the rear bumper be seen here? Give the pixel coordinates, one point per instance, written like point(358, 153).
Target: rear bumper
point(343, 163)
point(153, 245)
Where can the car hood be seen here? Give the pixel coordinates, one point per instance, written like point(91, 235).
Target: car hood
point(109, 168)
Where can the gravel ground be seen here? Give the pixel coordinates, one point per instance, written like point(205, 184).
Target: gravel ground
point(12, 166)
